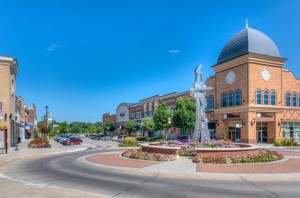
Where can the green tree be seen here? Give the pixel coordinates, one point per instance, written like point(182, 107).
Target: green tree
point(98, 124)
point(93, 129)
point(75, 129)
point(63, 127)
point(160, 118)
point(100, 129)
point(184, 114)
point(130, 126)
point(108, 125)
point(147, 125)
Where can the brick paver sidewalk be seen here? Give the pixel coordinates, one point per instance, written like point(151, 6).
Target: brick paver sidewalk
point(289, 166)
point(117, 160)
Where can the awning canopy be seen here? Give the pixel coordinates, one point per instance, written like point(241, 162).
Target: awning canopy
point(28, 126)
point(19, 124)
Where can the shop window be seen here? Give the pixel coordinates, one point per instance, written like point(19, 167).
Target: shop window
point(224, 100)
point(266, 98)
point(230, 99)
point(237, 98)
point(258, 97)
point(288, 99)
point(211, 102)
point(273, 98)
point(294, 98)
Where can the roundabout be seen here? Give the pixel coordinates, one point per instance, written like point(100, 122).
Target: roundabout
point(102, 172)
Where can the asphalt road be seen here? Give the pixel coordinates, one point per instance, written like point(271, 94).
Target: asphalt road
point(64, 171)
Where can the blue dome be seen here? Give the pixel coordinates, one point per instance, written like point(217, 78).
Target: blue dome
point(248, 41)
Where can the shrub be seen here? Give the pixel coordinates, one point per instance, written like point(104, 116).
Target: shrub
point(129, 142)
point(277, 143)
point(285, 142)
point(136, 154)
point(141, 138)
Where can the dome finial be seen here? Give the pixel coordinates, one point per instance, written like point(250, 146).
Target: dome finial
point(247, 23)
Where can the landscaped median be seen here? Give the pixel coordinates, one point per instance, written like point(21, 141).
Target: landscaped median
point(218, 152)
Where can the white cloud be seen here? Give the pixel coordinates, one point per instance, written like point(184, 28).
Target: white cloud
point(174, 51)
point(53, 47)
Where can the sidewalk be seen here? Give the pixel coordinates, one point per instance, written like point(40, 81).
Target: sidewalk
point(25, 152)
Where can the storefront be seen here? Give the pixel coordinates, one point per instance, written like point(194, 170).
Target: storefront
point(262, 132)
point(291, 130)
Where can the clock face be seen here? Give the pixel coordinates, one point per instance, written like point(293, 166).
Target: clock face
point(265, 74)
point(230, 77)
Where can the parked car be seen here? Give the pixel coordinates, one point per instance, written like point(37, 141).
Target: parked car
point(61, 140)
point(121, 138)
point(72, 141)
point(107, 138)
point(100, 137)
point(81, 135)
point(93, 136)
point(115, 138)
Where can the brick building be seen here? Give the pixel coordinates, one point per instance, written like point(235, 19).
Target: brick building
point(254, 98)
point(8, 74)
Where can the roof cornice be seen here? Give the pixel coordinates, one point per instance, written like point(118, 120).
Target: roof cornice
point(250, 58)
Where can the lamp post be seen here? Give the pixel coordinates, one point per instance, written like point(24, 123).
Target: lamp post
point(46, 132)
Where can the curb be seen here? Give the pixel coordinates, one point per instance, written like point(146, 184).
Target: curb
point(195, 174)
point(44, 154)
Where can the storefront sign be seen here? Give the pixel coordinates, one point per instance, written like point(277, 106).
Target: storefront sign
point(2, 139)
point(238, 125)
point(0, 110)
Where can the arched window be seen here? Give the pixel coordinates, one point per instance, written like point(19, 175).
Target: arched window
point(230, 99)
point(288, 99)
point(273, 98)
point(224, 100)
point(237, 98)
point(211, 102)
point(266, 98)
point(294, 98)
point(258, 97)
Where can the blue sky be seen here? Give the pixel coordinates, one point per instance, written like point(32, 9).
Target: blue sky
point(82, 58)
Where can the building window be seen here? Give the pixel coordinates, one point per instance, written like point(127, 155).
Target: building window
point(294, 97)
point(150, 113)
point(288, 99)
point(273, 98)
point(224, 100)
point(258, 97)
point(266, 98)
point(230, 99)
point(122, 114)
point(145, 114)
point(211, 102)
point(237, 98)
point(138, 115)
point(132, 115)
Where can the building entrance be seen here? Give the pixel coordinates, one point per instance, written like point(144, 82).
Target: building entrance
point(261, 132)
point(235, 134)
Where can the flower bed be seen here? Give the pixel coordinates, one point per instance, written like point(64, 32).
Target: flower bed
point(254, 156)
point(136, 154)
point(37, 144)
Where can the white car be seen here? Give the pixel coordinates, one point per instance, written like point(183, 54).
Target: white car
point(81, 135)
point(115, 138)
